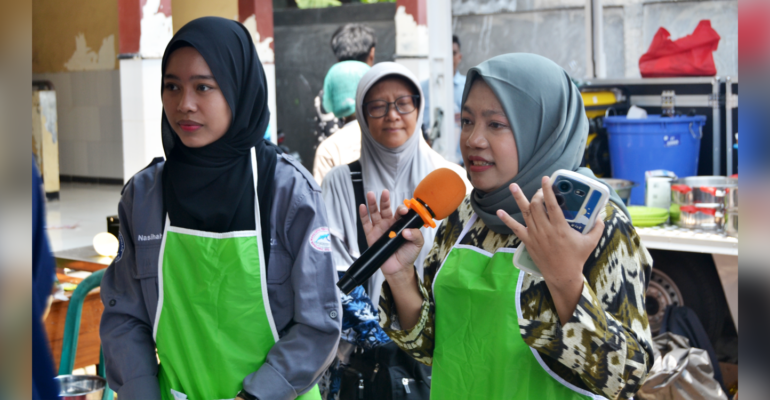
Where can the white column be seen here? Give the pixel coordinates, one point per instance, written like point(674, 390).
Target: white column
point(441, 77)
point(596, 64)
point(141, 109)
point(271, 103)
point(412, 44)
point(140, 85)
point(264, 46)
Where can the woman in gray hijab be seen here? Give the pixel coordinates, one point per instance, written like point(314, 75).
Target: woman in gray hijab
point(490, 330)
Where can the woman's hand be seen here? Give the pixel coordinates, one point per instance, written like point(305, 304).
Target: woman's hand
point(558, 250)
point(381, 220)
point(399, 268)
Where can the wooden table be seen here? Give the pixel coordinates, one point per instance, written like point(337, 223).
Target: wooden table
point(82, 259)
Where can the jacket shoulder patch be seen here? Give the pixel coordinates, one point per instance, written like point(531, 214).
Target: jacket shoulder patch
point(321, 240)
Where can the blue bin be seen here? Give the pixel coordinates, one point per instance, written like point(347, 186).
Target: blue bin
point(640, 145)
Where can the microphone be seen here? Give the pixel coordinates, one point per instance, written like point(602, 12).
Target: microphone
point(437, 196)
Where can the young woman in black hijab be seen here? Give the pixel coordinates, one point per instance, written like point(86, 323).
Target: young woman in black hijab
point(225, 266)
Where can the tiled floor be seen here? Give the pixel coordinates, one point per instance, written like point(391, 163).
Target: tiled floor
point(80, 213)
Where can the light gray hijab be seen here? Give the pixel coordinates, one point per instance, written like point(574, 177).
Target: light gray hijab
point(399, 170)
point(549, 124)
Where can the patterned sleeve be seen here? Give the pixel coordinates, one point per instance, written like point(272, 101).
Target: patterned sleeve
point(419, 341)
point(607, 341)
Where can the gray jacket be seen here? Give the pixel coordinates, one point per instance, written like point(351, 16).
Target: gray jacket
point(301, 288)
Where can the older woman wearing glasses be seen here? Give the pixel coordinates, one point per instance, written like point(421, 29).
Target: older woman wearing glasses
point(394, 159)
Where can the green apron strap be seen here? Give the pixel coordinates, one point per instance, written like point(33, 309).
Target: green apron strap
point(258, 225)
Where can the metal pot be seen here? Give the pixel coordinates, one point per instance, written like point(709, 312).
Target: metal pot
point(731, 223)
point(701, 190)
point(707, 218)
point(731, 198)
point(81, 387)
point(731, 204)
point(621, 186)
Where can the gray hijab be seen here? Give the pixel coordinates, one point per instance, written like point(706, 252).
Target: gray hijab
point(549, 124)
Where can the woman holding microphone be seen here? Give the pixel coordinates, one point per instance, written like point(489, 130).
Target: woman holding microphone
point(490, 330)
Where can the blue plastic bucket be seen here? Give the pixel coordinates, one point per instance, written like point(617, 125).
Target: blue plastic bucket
point(655, 142)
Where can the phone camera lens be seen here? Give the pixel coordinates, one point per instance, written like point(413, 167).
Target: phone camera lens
point(565, 187)
point(560, 200)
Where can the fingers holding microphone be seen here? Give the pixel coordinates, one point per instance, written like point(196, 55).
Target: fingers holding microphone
point(394, 238)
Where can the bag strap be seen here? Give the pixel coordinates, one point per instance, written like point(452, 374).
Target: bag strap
point(358, 190)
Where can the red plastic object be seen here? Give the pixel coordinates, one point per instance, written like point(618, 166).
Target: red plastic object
point(681, 188)
point(694, 209)
point(710, 190)
point(691, 55)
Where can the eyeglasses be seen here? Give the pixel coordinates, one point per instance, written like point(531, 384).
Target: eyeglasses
point(380, 108)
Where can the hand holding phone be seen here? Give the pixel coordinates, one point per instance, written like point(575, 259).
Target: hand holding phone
point(581, 200)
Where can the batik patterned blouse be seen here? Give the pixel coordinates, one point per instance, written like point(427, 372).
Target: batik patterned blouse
point(606, 346)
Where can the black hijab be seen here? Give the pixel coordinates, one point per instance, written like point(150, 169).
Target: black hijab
point(211, 188)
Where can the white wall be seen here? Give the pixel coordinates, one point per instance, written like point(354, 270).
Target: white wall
point(90, 131)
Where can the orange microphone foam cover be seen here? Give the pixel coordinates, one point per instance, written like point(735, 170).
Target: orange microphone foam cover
point(442, 191)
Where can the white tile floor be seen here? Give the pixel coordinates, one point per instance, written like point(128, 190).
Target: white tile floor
point(80, 213)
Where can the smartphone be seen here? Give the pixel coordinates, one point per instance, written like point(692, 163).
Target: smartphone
point(581, 200)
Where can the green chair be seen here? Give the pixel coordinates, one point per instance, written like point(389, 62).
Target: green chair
point(72, 329)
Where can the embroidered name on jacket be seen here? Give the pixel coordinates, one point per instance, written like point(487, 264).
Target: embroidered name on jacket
point(150, 237)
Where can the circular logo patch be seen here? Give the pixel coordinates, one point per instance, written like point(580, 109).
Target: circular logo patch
point(320, 239)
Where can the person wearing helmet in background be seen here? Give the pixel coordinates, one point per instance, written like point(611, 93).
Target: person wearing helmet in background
point(350, 42)
point(339, 97)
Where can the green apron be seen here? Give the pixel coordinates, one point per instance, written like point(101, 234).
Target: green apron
point(213, 326)
point(479, 351)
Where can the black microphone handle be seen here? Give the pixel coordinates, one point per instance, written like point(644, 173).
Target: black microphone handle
point(376, 255)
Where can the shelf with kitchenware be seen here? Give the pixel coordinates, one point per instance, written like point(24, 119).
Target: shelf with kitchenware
point(672, 237)
point(692, 230)
point(714, 97)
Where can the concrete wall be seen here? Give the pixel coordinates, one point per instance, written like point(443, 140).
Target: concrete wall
point(74, 36)
point(556, 34)
point(556, 29)
point(74, 45)
point(90, 131)
point(187, 10)
point(303, 55)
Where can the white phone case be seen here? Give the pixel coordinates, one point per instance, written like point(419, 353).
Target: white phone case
point(592, 208)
